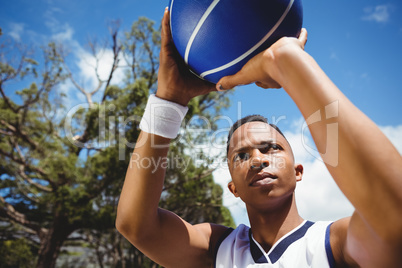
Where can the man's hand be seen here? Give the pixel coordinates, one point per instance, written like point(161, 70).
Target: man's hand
point(175, 81)
point(262, 69)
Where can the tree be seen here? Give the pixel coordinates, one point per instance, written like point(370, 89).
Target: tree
point(61, 170)
point(16, 253)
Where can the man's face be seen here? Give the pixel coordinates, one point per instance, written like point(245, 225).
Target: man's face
point(262, 166)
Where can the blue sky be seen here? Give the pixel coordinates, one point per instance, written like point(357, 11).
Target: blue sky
point(356, 42)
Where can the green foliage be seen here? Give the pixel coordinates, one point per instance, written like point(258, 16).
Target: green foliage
point(16, 253)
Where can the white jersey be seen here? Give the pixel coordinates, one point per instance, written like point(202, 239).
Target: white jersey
point(305, 246)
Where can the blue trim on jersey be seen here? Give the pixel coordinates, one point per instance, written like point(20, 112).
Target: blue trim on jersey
point(220, 240)
point(258, 256)
point(328, 248)
point(285, 243)
point(274, 256)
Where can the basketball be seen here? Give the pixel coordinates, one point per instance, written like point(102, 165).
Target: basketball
point(217, 37)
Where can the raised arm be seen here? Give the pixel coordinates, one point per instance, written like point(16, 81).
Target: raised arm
point(160, 234)
point(362, 161)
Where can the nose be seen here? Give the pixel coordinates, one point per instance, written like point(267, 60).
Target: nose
point(260, 161)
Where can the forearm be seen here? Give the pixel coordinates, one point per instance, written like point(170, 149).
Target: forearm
point(363, 162)
point(138, 205)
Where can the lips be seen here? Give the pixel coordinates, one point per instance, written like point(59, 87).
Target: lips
point(263, 178)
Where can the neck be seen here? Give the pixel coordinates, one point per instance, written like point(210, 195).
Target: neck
point(270, 225)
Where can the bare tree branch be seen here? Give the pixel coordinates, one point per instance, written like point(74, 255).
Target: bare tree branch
point(17, 147)
point(7, 210)
point(87, 95)
point(10, 127)
point(6, 133)
point(93, 47)
point(18, 132)
point(15, 73)
point(153, 65)
point(26, 192)
point(6, 99)
point(21, 172)
point(35, 169)
point(114, 30)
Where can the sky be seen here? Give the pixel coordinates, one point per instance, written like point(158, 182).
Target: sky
point(356, 42)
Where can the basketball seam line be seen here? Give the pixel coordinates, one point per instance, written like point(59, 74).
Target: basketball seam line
point(255, 47)
point(198, 27)
point(170, 17)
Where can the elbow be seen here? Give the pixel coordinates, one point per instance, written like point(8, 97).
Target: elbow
point(125, 228)
point(124, 223)
point(121, 226)
point(130, 230)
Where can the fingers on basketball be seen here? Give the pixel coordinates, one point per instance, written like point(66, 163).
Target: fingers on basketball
point(166, 34)
point(303, 37)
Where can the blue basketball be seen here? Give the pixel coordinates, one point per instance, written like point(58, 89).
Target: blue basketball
point(217, 37)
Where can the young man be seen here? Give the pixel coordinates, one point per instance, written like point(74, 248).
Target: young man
point(365, 166)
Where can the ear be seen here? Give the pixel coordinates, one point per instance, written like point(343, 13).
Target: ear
point(232, 189)
point(299, 172)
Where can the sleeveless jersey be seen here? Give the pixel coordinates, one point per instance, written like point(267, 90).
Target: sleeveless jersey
point(305, 246)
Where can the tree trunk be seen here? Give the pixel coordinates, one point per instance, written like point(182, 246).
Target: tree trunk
point(51, 241)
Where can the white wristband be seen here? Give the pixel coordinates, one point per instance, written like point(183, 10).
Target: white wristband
point(162, 117)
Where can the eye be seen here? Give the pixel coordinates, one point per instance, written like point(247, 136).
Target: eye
point(271, 147)
point(275, 146)
point(242, 156)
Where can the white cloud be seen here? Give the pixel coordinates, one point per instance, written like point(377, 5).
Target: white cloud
point(74, 97)
point(65, 35)
point(317, 195)
point(16, 30)
point(61, 32)
point(50, 19)
point(394, 134)
point(83, 64)
point(235, 205)
point(87, 63)
point(380, 13)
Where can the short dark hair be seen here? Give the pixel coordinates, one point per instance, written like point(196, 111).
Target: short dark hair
point(248, 119)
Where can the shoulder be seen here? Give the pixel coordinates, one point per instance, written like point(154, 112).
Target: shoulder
point(212, 231)
point(230, 235)
point(338, 235)
point(354, 241)
point(215, 234)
